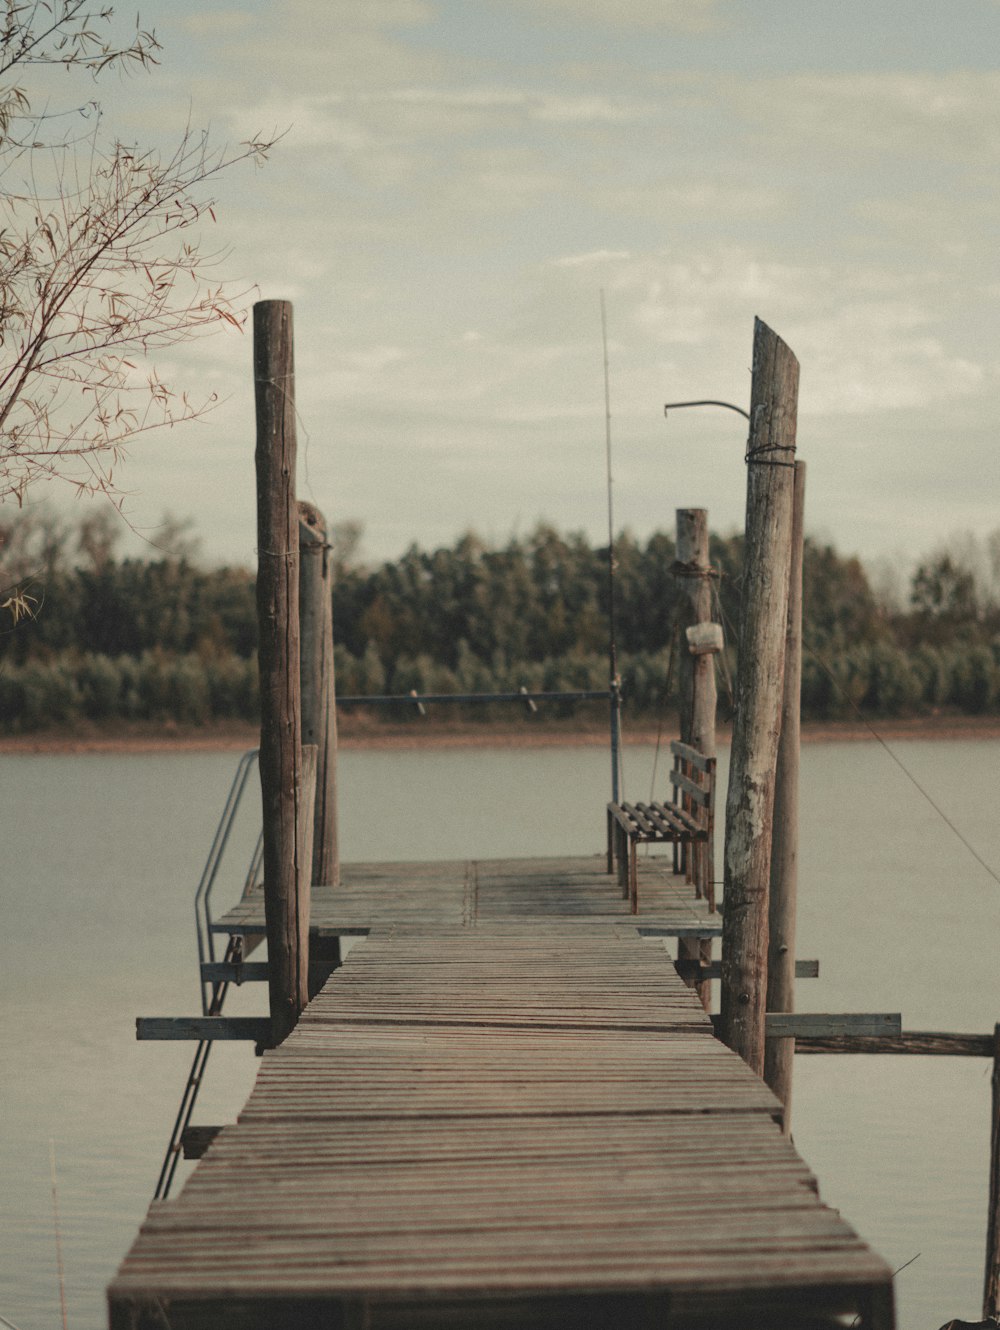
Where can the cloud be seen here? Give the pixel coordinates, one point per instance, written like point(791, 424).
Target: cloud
point(220, 23)
point(866, 343)
point(952, 117)
point(594, 257)
point(688, 16)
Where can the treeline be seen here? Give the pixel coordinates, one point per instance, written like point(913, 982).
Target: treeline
point(90, 636)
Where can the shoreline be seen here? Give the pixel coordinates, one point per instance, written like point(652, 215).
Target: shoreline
point(239, 738)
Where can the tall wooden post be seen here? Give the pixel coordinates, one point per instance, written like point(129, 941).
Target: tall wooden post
point(779, 1054)
point(278, 653)
point(696, 679)
point(991, 1289)
point(319, 707)
point(757, 722)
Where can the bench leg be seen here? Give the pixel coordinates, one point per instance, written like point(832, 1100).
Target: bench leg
point(622, 842)
point(697, 869)
point(634, 875)
point(612, 823)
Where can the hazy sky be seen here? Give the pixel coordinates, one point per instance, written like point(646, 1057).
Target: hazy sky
point(459, 180)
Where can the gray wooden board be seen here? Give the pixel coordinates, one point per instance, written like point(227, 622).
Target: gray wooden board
point(473, 1116)
point(474, 893)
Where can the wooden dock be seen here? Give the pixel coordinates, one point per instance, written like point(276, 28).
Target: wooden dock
point(504, 1110)
point(476, 893)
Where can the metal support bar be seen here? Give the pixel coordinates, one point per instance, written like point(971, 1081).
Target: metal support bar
point(414, 698)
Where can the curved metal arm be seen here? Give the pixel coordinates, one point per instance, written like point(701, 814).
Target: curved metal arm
point(674, 406)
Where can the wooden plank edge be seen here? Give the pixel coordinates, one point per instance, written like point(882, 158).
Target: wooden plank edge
point(693, 971)
point(256, 1028)
point(933, 1043)
point(820, 1024)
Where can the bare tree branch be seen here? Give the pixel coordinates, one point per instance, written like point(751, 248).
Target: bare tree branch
point(99, 263)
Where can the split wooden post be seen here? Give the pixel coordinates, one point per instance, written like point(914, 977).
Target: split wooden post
point(779, 1054)
point(319, 706)
point(696, 681)
point(991, 1288)
point(278, 654)
point(757, 722)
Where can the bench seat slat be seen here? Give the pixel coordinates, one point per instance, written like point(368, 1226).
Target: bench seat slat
point(687, 820)
point(671, 821)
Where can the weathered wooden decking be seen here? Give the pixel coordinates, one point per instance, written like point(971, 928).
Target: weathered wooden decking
point(497, 1114)
point(474, 893)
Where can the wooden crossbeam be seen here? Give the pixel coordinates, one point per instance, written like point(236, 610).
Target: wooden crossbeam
point(793, 1024)
point(914, 1042)
point(709, 928)
point(256, 1028)
point(223, 972)
point(821, 1024)
point(196, 1140)
point(692, 971)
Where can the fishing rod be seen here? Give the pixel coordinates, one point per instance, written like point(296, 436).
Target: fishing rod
point(614, 682)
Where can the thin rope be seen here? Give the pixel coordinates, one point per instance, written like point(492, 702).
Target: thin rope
point(58, 1229)
point(899, 763)
point(675, 634)
point(299, 421)
point(759, 456)
point(723, 663)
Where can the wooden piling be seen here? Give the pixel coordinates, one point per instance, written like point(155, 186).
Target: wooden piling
point(319, 707)
point(991, 1289)
point(278, 654)
point(779, 1054)
point(696, 681)
point(757, 722)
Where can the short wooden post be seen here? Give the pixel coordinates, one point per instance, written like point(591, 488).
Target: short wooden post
point(757, 722)
point(278, 654)
point(991, 1289)
point(779, 1054)
point(319, 706)
point(696, 680)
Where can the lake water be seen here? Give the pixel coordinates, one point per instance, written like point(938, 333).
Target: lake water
point(101, 855)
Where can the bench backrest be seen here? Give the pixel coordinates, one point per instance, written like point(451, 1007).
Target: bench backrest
point(693, 779)
point(694, 774)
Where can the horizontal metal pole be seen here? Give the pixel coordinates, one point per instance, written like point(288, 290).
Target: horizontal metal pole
point(413, 699)
point(257, 1028)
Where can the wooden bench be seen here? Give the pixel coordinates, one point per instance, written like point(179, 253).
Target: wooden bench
point(688, 822)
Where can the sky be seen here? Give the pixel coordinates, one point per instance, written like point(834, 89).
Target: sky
point(458, 182)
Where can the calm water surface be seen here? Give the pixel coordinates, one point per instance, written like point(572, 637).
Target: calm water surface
point(101, 856)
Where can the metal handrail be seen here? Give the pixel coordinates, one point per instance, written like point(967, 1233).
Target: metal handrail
point(202, 907)
point(213, 994)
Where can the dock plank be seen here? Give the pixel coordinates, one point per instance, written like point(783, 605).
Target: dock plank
point(497, 1114)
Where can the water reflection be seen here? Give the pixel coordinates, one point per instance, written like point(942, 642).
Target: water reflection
point(103, 854)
